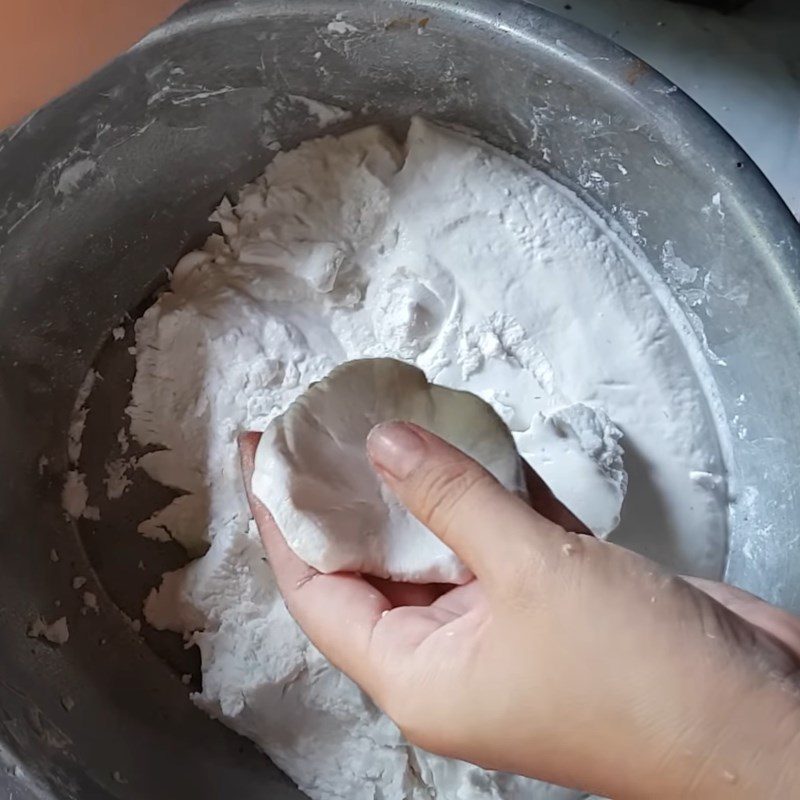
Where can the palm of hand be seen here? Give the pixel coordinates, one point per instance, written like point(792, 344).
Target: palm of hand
point(562, 642)
point(403, 625)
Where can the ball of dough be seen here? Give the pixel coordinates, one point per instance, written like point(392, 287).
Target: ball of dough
point(312, 471)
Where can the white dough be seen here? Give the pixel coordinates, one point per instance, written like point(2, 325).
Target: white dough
point(487, 276)
point(576, 451)
point(312, 471)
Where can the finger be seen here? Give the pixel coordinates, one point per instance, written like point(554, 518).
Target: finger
point(779, 624)
point(405, 628)
point(337, 612)
point(463, 599)
point(290, 570)
point(488, 527)
point(408, 594)
point(547, 504)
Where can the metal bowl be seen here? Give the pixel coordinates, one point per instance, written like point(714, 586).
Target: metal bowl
point(108, 186)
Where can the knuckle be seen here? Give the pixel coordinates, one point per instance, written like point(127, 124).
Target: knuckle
point(446, 490)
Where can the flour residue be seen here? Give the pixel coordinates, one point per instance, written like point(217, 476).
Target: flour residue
point(71, 176)
point(56, 632)
point(325, 113)
point(489, 277)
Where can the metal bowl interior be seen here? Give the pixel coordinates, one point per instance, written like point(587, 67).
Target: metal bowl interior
point(106, 188)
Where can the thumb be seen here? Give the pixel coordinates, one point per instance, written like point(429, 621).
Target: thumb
point(488, 527)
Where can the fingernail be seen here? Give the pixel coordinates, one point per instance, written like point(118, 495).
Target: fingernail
point(395, 448)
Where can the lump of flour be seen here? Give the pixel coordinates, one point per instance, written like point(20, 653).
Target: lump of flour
point(55, 632)
point(313, 474)
point(576, 451)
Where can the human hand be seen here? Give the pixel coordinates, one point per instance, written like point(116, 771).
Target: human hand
point(46, 46)
point(566, 658)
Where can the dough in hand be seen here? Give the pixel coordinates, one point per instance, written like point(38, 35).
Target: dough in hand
point(313, 474)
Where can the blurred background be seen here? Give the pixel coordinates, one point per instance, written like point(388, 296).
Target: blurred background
point(741, 65)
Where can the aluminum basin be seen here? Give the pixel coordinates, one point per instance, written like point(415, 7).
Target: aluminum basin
point(108, 186)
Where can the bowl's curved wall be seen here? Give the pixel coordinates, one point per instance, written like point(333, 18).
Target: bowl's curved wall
point(102, 190)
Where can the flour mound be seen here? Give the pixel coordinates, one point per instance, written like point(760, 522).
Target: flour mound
point(489, 278)
point(313, 474)
point(576, 450)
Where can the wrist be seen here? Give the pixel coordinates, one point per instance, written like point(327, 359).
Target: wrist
point(752, 749)
point(786, 779)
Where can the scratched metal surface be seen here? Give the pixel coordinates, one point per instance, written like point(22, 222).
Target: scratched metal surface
point(105, 188)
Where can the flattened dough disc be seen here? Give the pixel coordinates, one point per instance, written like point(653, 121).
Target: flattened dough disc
point(313, 474)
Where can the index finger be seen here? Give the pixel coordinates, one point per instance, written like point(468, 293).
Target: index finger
point(337, 612)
